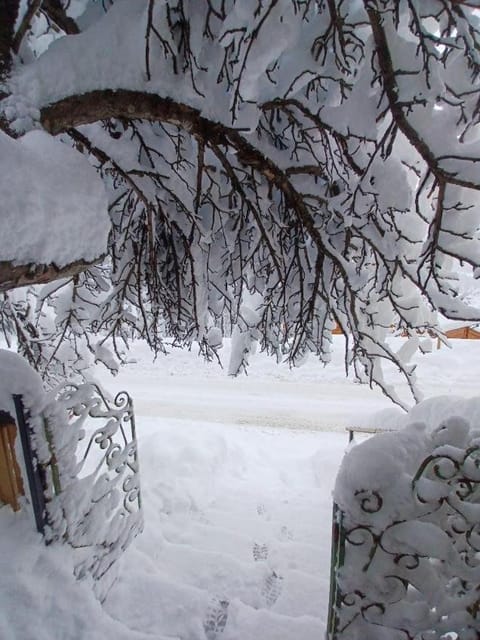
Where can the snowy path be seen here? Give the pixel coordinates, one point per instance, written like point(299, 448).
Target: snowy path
point(240, 523)
point(237, 501)
point(237, 479)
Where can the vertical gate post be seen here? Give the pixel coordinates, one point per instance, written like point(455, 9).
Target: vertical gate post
point(336, 562)
point(36, 481)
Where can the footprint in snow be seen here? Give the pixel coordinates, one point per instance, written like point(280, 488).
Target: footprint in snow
point(202, 518)
point(216, 618)
point(286, 534)
point(260, 552)
point(272, 588)
point(261, 510)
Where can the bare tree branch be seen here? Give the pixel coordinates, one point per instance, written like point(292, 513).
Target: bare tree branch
point(13, 275)
point(55, 11)
point(33, 7)
point(101, 105)
point(397, 109)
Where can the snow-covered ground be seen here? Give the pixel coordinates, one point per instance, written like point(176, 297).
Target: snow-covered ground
point(182, 385)
point(237, 477)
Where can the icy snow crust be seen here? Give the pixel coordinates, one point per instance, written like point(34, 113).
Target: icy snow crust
point(53, 207)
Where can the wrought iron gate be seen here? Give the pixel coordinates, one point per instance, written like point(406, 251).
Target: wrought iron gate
point(84, 449)
point(411, 570)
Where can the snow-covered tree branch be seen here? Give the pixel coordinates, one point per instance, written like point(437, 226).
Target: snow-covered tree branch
point(277, 166)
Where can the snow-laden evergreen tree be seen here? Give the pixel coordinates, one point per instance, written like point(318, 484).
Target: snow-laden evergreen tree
point(269, 167)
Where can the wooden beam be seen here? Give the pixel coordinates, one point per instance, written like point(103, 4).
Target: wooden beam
point(11, 483)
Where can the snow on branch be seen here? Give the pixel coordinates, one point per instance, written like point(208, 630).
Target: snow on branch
point(42, 222)
point(319, 158)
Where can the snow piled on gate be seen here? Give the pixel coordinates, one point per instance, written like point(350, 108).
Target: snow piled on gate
point(410, 510)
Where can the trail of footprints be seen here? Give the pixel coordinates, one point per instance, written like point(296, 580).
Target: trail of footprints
point(217, 613)
point(272, 586)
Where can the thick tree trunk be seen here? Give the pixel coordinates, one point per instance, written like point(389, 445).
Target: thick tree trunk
point(8, 16)
point(55, 11)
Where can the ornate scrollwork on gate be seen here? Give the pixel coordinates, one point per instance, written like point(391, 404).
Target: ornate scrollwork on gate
point(411, 570)
point(93, 467)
